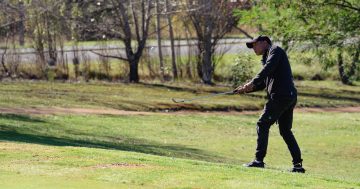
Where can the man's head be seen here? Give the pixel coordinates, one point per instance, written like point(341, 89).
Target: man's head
point(260, 44)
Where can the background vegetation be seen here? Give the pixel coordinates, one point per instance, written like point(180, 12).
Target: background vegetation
point(321, 37)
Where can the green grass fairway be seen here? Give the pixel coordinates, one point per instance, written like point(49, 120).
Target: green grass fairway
point(173, 151)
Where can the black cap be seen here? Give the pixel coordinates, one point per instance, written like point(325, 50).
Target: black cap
point(258, 38)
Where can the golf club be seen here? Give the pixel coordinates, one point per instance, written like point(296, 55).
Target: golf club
point(201, 97)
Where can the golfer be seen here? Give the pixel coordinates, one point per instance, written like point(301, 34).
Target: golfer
point(276, 78)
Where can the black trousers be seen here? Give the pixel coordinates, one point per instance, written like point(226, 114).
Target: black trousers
point(279, 109)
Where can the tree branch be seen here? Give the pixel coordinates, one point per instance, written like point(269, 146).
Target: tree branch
point(347, 5)
point(244, 32)
point(109, 56)
point(136, 23)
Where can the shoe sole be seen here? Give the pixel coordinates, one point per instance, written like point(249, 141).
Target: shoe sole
point(298, 171)
point(244, 165)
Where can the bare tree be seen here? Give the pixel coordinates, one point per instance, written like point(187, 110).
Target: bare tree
point(9, 30)
point(9, 57)
point(128, 20)
point(211, 20)
point(46, 31)
point(17, 20)
point(168, 8)
point(158, 32)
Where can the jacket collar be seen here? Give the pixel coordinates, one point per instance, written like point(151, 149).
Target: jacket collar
point(265, 55)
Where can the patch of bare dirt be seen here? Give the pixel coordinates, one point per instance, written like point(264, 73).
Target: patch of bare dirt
point(58, 110)
point(117, 165)
point(337, 109)
point(92, 111)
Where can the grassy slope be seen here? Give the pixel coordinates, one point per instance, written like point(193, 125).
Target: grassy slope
point(150, 97)
point(136, 151)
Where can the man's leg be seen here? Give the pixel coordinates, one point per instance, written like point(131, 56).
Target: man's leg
point(285, 125)
point(271, 112)
point(262, 128)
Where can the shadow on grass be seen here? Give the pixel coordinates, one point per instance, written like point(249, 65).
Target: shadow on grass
point(175, 88)
point(25, 118)
point(329, 94)
point(9, 132)
point(185, 89)
point(331, 97)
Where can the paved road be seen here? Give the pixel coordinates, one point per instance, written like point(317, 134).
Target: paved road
point(182, 49)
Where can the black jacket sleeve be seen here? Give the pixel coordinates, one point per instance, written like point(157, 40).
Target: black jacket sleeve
point(259, 87)
point(271, 63)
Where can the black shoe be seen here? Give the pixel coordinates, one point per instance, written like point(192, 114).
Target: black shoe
point(298, 168)
point(255, 163)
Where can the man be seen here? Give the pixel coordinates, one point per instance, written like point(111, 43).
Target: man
point(276, 78)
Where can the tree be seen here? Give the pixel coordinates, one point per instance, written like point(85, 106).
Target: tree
point(46, 29)
point(212, 19)
point(128, 21)
point(329, 25)
point(169, 9)
point(158, 32)
point(11, 31)
point(16, 11)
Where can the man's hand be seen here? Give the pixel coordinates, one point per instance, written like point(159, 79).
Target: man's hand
point(239, 90)
point(248, 87)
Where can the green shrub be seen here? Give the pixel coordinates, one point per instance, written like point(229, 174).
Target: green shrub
point(242, 70)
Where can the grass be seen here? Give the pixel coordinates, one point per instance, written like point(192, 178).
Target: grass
point(157, 96)
point(173, 151)
point(170, 150)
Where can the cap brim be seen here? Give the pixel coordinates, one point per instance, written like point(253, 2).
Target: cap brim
point(249, 45)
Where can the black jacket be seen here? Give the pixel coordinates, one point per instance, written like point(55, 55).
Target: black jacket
point(275, 75)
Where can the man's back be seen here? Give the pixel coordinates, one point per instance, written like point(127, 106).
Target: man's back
point(277, 73)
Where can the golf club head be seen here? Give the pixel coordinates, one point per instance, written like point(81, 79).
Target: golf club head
point(177, 100)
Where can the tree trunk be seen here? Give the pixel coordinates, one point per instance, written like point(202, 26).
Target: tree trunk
point(188, 64)
point(158, 31)
point(40, 41)
point(205, 28)
point(134, 74)
point(171, 34)
point(207, 66)
point(50, 40)
point(343, 76)
point(3, 55)
point(21, 23)
point(355, 61)
point(199, 61)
